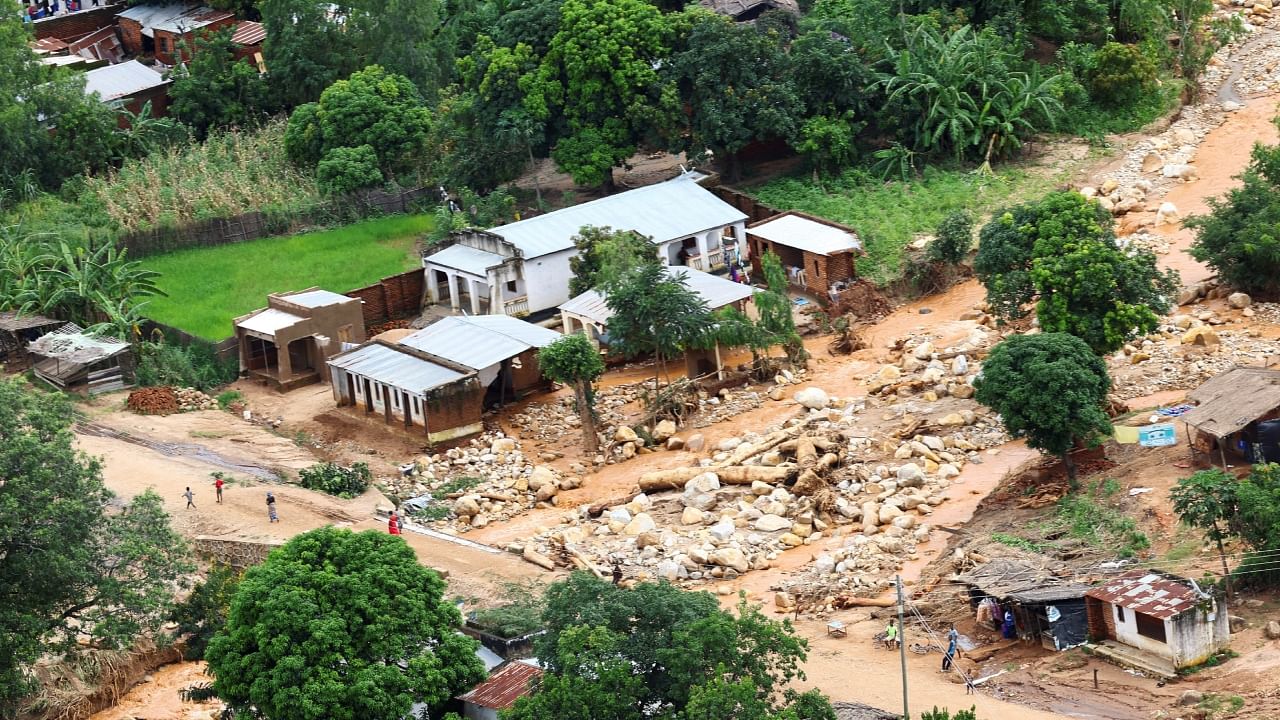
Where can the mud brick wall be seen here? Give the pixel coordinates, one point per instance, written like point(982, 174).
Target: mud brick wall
point(68, 27)
point(749, 206)
point(455, 405)
point(392, 298)
point(239, 554)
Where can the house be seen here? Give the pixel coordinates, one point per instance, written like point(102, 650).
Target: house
point(1236, 412)
point(523, 268)
point(818, 254)
point(247, 40)
point(411, 387)
point(748, 10)
point(500, 691)
point(287, 342)
point(129, 85)
point(76, 361)
point(101, 44)
point(442, 378)
point(1045, 609)
point(858, 711)
point(590, 313)
point(1155, 621)
point(16, 331)
point(158, 30)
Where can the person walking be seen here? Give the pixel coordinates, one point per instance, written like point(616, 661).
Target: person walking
point(393, 523)
point(891, 634)
point(948, 657)
point(617, 573)
point(271, 507)
point(217, 486)
point(190, 496)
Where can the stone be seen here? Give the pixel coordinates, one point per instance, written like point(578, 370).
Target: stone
point(889, 372)
point(923, 351)
point(952, 420)
point(668, 570)
point(1152, 162)
point(761, 488)
point(888, 513)
point(962, 391)
point(784, 600)
point(1272, 630)
point(675, 443)
point(923, 451)
point(933, 442)
point(813, 398)
point(502, 445)
point(467, 506)
point(1200, 336)
point(959, 365)
point(776, 393)
point(1184, 135)
point(1239, 300)
point(947, 471)
point(910, 472)
point(620, 515)
point(1190, 697)
point(1236, 623)
point(692, 516)
point(706, 482)
point(701, 501)
point(546, 492)
point(728, 444)
point(541, 475)
point(772, 523)
point(824, 564)
point(1167, 214)
point(802, 529)
point(723, 530)
point(639, 524)
point(731, 558)
point(1182, 171)
point(791, 540)
point(625, 434)
point(648, 539)
point(663, 430)
point(1109, 186)
point(695, 442)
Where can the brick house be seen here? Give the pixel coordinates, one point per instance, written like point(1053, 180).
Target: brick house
point(288, 342)
point(818, 254)
point(158, 30)
point(77, 24)
point(130, 85)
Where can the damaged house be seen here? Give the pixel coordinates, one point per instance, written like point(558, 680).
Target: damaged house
point(1045, 609)
point(287, 342)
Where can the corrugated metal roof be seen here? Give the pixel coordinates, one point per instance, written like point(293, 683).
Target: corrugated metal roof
point(249, 32)
point(715, 291)
point(1229, 401)
point(397, 368)
point(269, 321)
point(807, 234)
point(116, 81)
point(71, 344)
point(480, 341)
point(858, 711)
point(1160, 595)
point(467, 259)
point(177, 18)
point(504, 687)
point(315, 298)
point(666, 211)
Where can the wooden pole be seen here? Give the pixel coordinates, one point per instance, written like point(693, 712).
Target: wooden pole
point(902, 649)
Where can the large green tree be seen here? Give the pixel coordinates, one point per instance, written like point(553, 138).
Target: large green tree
point(605, 255)
point(215, 90)
point(655, 313)
point(573, 360)
point(1206, 500)
point(1049, 388)
point(74, 564)
point(656, 651)
point(1238, 239)
point(342, 625)
point(307, 48)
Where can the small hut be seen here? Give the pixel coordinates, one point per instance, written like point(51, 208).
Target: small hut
point(18, 330)
point(76, 361)
point(1045, 609)
point(1235, 416)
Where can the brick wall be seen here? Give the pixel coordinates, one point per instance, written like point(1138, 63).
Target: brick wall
point(167, 43)
point(455, 405)
point(392, 298)
point(529, 375)
point(74, 25)
point(131, 35)
point(749, 206)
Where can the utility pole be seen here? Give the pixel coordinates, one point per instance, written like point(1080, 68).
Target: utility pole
point(902, 649)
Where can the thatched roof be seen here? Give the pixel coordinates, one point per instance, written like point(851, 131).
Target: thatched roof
point(1020, 580)
point(858, 711)
point(1233, 399)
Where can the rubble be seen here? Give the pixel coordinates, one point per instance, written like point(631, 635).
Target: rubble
point(165, 400)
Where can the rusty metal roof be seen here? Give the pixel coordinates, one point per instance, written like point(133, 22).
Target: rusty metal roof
point(1231, 400)
point(504, 687)
point(249, 32)
point(12, 321)
point(1160, 595)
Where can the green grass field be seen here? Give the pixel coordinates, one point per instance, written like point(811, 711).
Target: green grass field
point(209, 287)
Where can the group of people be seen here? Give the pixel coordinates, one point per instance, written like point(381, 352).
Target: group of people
point(218, 484)
point(892, 640)
point(49, 8)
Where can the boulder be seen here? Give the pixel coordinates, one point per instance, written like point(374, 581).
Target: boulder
point(1152, 162)
point(619, 515)
point(1184, 135)
point(639, 524)
point(1200, 336)
point(952, 420)
point(1190, 697)
point(1272, 630)
point(701, 501)
point(1167, 214)
point(466, 506)
point(668, 570)
point(772, 523)
point(728, 444)
point(692, 516)
point(706, 482)
point(695, 442)
point(542, 475)
point(675, 443)
point(813, 398)
point(888, 513)
point(625, 434)
point(1182, 171)
point(546, 492)
point(923, 351)
point(1109, 186)
point(648, 539)
point(502, 445)
point(889, 372)
point(790, 540)
point(824, 564)
point(1236, 623)
point(663, 430)
point(723, 530)
point(783, 600)
point(910, 473)
point(1239, 300)
point(962, 391)
point(947, 471)
point(731, 558)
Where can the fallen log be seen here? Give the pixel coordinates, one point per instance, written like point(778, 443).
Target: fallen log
point(675, 478)
point(845, 601)
point(583, 562)
point(537, 558)
point(487, 496)
point(806, 453)
point(746, 450)
point(597, 509)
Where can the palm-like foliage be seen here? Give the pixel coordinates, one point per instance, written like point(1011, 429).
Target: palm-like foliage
point(959, 92)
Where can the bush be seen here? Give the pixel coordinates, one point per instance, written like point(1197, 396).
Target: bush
point(953, 239)
point(194, 365)
point(1121, 75)
point(1238, 239)
point(346, 169)
point(204, 612)
point(344, 482)
point(228, 397)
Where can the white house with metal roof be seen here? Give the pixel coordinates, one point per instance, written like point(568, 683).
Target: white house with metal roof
point(523, 267)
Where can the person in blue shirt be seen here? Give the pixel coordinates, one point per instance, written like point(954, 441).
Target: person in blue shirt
point(953, 638)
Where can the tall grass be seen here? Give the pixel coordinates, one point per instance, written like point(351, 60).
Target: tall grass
point(230, 173)
point(209, 287)
point(888, 215)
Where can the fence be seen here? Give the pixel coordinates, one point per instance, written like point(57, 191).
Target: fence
point(754, 209)
point(392, 298)
point(259, 224)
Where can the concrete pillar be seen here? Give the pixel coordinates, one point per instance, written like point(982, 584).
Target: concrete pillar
point(567, 319)
point(433, 286)
point(495, 298)
point(703, 247)
point(454, 300)
point(740, 234)
point(475, 296)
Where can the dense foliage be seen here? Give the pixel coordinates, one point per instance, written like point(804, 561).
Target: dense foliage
point(345, 482)
point(341, 625)
point(216, 90)
point(1248, 508)
point(73, 571)
point(656, 651)
point(605, 255)
point(1238, 238)
point(655, 313)
point(953, 239)
point(1048, 388)
point(196, 365)
point(204, 613)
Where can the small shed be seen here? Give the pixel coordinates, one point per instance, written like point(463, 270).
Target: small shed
point(818, 254)
point(247, 40)
point(409, 386)
point(500, 691)
point(748, 10)
point(1164, 621)
point(501, 349)
point(129, 85)
point(16, 331)
point(1235, 411)
point(1045, 609)
point(158, 30)
point(287, 342)
point(76, 361)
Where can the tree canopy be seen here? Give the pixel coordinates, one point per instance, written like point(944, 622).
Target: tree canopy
point(70, 566)
point(573, 360)
point(605, 255)
point(1238, 239)
point(1049, 388)
point(215, 90)
point(342, 625)
point(654, 312)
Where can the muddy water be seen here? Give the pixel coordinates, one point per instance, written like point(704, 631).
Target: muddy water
point(159, 699)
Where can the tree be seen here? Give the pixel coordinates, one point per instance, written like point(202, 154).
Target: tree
point(307, 48)
point(1238, 238)
point(656, 651)
point(1258, 498)
point(1120, 75)
point(573, 360)
point(1207, 501)
point(341, 625)
point(605, 255)
point(774, 307)
point(737, 84)
point(831, 76)
point(216, 90)
point(347, 169)
point(1048, 388)
point(69, 568)
point(654, 312)
point(953, 239)
point(830, 143)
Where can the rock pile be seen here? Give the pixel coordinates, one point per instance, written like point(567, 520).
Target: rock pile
point(1185, 352)
point(191, 399)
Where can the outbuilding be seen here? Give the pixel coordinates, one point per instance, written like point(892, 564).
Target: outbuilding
point(168, 32)
point(16, 331)
point(818, 254)
point(287, 342)
point(1156, 621)
point(1236, 416)
point(1045, 609)
point(512, 682)
point(129, 85)
point(77, 361)
point(522, 268)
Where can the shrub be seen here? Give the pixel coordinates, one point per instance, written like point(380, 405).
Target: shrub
point(334, 479)
point(194, 365)
point(204, 612)
point(1121, 75)
point(1238, 238)
point(345, 169)
point(229, 397)
point(953, 239)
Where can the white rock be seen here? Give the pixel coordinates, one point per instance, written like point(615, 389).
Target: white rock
point(668, 570)
point(947, 470)
point(814, 398)
point(772, 523)
point(731, 557)
point(620, 515)
point(1239, 300)
point(692, 516)
point(541, 475)
point(923, 351)
point(728, 444)
point(824, 564)
point(910, 472)
point(959, 365)
point(641, 523)
point(1167, 214)
point(723, 530)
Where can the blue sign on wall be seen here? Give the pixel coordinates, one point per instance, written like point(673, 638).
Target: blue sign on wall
point(1161, 435)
